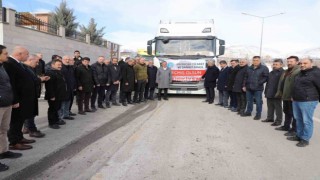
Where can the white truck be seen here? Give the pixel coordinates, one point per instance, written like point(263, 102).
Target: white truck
point(186, 47)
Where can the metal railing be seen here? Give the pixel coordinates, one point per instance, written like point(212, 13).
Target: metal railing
point(78, 36)
point(34, 23)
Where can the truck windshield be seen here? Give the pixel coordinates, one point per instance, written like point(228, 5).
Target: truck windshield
point(184, 47)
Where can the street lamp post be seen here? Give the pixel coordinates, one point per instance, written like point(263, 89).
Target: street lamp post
point(262, 21)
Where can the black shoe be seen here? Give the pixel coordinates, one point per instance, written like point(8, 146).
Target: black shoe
point(166, 99)
point(205, 101)
point(61, 122)
point(72, 114)
point(293, 138)
point(257, 117)
point(290, 133)
point(10, 155)
point(303, 143)
point(116, 104)
point(69, 118)
point(210, 102)
point(282, 128)
point(124, 104)
point(101, 106)
point(54, 126)
point(93, 109)
point(267, 120)
point(82, 113)
point(152, 99)
point(246, 114)
point(276, 124)
point(219, 104)
point(130, 102)
point(89, 110)
point(36, 134)
point(3, 167)
point(108, 106)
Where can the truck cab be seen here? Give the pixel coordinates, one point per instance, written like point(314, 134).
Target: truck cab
point(186, 47)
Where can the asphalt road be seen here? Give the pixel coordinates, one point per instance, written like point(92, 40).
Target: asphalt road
point(184, 138)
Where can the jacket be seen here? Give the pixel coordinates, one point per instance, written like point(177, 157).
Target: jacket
point(307, 85)
point(84, 78)
point(23, 87)
point(69, 76)
point(256, 77)
point(211, 76)
point(239, 78)
point(231, 77)
point(285, 85)
point(127, 77)
point(152, 76)
point(6, 95)
point(164, 78)
point(56, 87)
point(141, 71)
point(100, 74)
point(222, 79)
point(272, 84)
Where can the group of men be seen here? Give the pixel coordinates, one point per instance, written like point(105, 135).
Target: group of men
point(294, 92)
point(22, 77)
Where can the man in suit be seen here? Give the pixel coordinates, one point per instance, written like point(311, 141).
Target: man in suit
point(24, 95)
point(115, 78)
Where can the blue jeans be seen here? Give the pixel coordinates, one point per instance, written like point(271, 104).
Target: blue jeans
point(303, 113)
point(65, 109)
point(257, 95)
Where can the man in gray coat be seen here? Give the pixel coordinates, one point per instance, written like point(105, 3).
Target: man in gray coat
point(164, 78)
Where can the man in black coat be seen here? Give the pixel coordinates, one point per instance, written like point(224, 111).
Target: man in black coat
point(40, 68)
point(274, 103)
point(210, 81)
point(101, 80)
point(24, 98)
point(85, 83)
point(127, 82)
point(238, 85)
point(230, 83)
point(306, 96)
point(222, 84)
point(254, 80)
point(29, 124)
point(77, 58)
point(56, 92)
point(115, 78)
point(151, 85)
point(68, 73)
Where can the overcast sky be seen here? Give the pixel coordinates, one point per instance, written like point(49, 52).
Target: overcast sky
point(132, 22)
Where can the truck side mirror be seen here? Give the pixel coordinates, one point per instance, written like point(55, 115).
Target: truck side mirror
point(150, 42)
point(221, 47)
point(149, 49)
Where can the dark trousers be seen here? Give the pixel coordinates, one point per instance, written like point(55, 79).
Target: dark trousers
point(210, 94)
point(149, 92)
point(165, 94)
point(97, 91)
point(15, 134)
point(274, 107)
point(141, 85)
point(111, 94)
point(83, 100)
point(241, 102)
point(54, 107)
point(30, 125)
point(125, 97)
point(71, 100)
point(288, 115)
point(233, 99)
